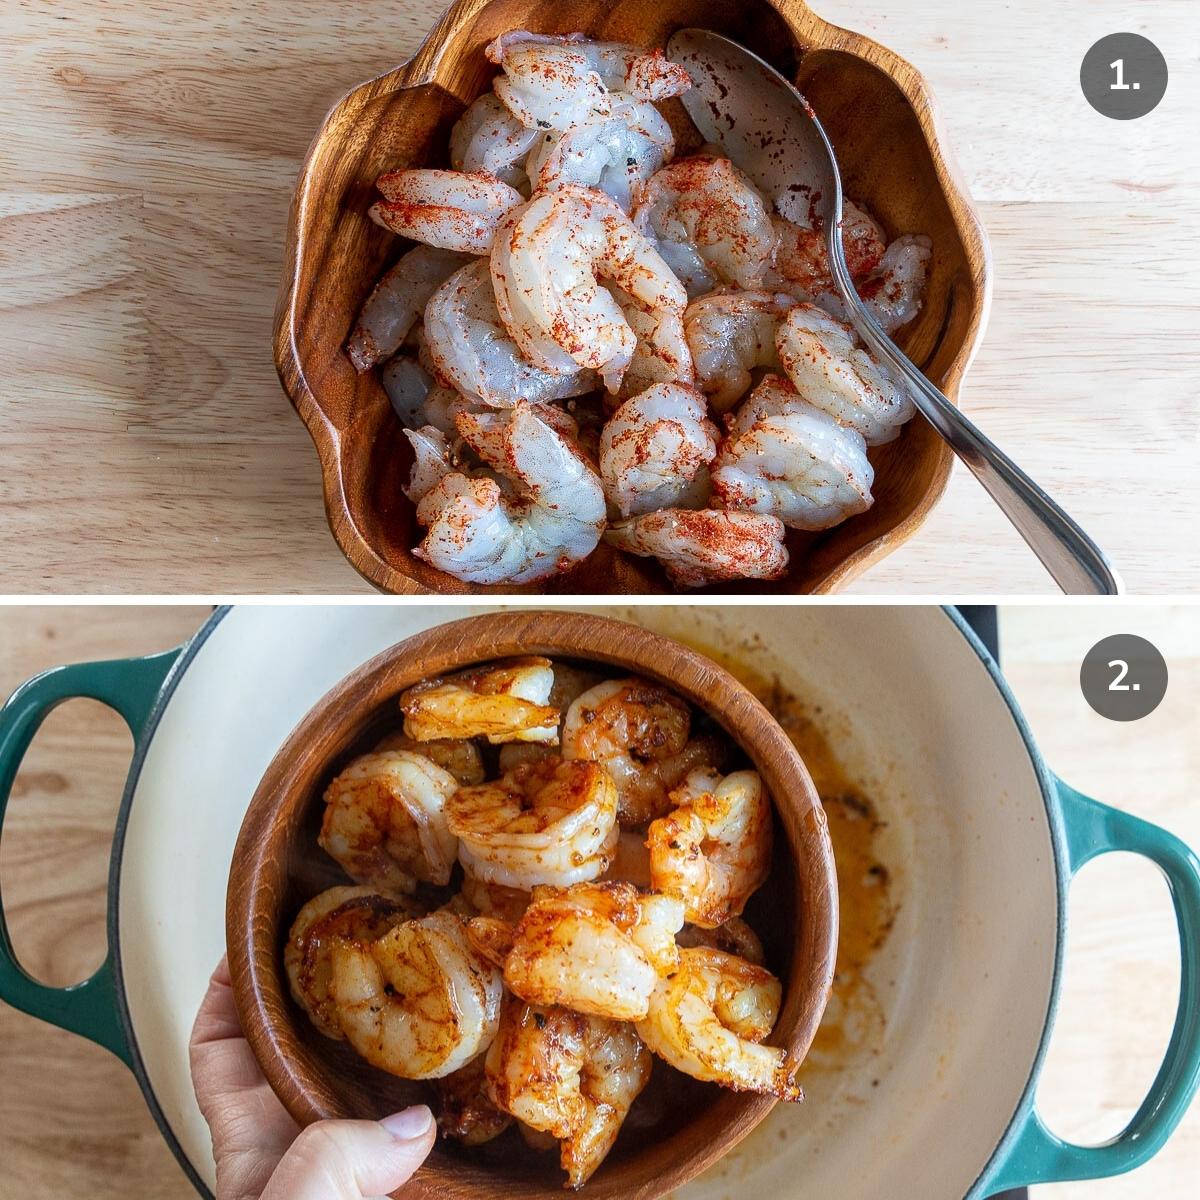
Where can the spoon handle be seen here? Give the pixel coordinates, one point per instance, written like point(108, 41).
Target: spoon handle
point(1077, 564)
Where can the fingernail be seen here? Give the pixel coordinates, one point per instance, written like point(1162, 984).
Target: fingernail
point(409, 1123)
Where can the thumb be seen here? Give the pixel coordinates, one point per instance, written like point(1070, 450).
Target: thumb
point(352, 1160)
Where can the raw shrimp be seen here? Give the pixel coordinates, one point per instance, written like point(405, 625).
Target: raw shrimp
point(707, 545)
point(800, 264)
point(709, 223)
point(488, 138)
point(547, 822)
point(707, 1019)
point(544, 514)
point(502, 701)
point(714, 850)
point(731, 937)
point(455, 210)
point(616, 155)
point(568, 1075)
point(419, 1002)
point(459, 756)
point(433, 460)
point(829, 370)
point(385, 821)
point(470, 348)
point(655, 451)
point(661, 353)
point(893, 290)
point(396, 302)
point(788, 458)
point(595, 948)
point(467, 1112)
point(558, 82)
point(360, 913)
point(546, 267)
point(730, 334)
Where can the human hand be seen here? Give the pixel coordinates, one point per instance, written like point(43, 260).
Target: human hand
point(261, 1153)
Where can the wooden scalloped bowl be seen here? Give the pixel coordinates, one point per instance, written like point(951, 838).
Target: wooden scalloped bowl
point(881, 118)
point(679, 1127)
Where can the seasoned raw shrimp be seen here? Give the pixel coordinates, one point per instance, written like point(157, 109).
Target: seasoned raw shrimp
point(470, 349)
point(459, 756)
point(661, 353)
point(707, 1019)
point(616, 155)
point(709, 223)
point(557, 82)
point(359, 913)
point(420, 401)
point(396, 302)
point(494, 899)
point(829, 370)
point(893, 289)
point(467, 1112)
point(641, 733)
point(452, 209)
point(714, 850)
point(788, 458)
point(419, 1002)
point(800, 264)
point(568, 1075)
point(543, 515)
point(488, 138)
point(706, 545)
point(547, 822)
point(732, 937)
point(595, 948)
point(655, 451)
point(385, 821)
point(730, 334)
point(433, 459)
point(546, 266)
point(502, 701)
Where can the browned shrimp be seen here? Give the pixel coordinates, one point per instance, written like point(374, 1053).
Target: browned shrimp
point(467, 1112)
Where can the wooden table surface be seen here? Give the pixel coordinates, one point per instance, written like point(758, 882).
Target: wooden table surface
point(72, 1122)
point(149, 151)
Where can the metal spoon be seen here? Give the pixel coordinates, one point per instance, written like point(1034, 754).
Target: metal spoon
point(768, 128)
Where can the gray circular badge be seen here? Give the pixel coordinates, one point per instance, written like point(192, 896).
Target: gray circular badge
point(1123, 76)
point(1123, 677)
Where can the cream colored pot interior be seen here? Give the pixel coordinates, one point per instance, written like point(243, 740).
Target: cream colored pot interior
point(964, 979)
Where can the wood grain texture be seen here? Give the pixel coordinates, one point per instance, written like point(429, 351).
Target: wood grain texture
point(277, 867)
point(150, 154)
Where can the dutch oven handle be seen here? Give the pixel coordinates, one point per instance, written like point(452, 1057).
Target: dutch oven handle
point(129, 686)
point(1034, 1154)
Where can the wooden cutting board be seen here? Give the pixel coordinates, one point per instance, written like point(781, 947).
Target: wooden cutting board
point(148, 154)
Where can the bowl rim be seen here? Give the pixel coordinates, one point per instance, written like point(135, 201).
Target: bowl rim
point(260, 991)
point(813, 33)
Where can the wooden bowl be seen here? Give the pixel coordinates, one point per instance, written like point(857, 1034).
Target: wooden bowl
point(881, 118)
point(277, 866)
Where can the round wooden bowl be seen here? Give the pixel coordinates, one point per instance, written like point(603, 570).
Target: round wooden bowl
point(277, 866)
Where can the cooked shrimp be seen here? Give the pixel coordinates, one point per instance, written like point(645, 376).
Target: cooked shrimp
point(467, 1112)
point(513, 754)
point(494, 899)
point(544, 514)
point(632, 860)
point(488, 138)
point(569, 1075)
point(360, 913)
point(419, 1002)
point(396, 302)
point(502, 701)
point(557, 82)
point(546, 267)
point(548, 822)
point(706, 545)
point(459, 756)
point(785, 457)
point(595, 948)
point(451, 209)
point(661, 353)
point(470, 348)
point(731, 937)
point(713, 851)
point(385, 821)
point(707, 1019)
point(830, 371)
point(616, 155)
point(800, 264)
point(655, 450)
point(730, 334)
point(709, 223)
